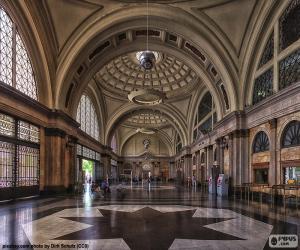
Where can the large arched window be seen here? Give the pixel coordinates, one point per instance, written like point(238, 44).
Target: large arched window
point(87, 117)
point(291, 135)
point(15, 66)
point(261, 142)
point(289, 28)
point(205, 118)
point(282, 50)
point(113, 144)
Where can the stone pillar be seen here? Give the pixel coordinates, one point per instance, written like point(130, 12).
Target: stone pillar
point(198, 166)
point(209, 160)
point(120, 168)
point(220, 154)
point(55, 160)
point(105, 160)
point(230, 151)
point(42, 159)
point(240, 148)
point(172, 170)
point(70, 163)
point(187, 166)
point(273, 153)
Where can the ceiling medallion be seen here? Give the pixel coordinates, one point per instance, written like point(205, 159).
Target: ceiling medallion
point(146, 96)
point(145, 131)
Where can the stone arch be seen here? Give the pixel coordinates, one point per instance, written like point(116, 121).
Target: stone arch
point(163, 137)
point(295, 117)
point(228, 75)
point(176, 120)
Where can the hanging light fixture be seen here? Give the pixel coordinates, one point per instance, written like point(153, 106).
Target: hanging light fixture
point(147, 58)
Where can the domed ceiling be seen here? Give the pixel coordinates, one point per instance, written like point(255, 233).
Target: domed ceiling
point(169, 75)
point(147, 118)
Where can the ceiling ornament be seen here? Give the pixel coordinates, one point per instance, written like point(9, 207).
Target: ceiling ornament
point(145, 131)
point(146, 96)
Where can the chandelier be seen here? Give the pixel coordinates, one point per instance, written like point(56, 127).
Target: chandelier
point(147, 58)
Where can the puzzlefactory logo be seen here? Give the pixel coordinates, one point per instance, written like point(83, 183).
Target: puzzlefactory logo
point(283, 240)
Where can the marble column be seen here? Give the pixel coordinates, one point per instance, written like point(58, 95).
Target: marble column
point(55, 169)
point(209, 160)
point(172, 170)
point(70, 163)
point(220, 154)
point(240, 148)
point(106, 163)
point(187, 166)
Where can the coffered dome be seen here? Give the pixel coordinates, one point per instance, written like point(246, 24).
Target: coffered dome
point(124, 74)
point(147, 118)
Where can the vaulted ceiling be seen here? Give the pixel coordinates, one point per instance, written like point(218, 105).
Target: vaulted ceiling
point(93, 44)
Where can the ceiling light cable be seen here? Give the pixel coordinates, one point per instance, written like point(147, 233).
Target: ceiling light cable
point(147, 39)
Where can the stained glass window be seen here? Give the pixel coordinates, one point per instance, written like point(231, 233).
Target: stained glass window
point(268, 52)
point(204, 117)
point(261, 142)
point(87, 117)
point(289, 70)
point(15, 66)
point(291, 134)
point(263, 86)
point(289, 28)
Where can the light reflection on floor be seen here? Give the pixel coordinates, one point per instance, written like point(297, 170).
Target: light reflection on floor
point(14, 215)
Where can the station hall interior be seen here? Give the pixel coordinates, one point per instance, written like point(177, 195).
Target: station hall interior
point(149, 124)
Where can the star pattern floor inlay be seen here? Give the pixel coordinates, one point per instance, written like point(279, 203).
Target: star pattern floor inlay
point(150, 227)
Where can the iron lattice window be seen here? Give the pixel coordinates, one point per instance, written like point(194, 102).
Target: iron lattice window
point(261, 142)
point(7, 152)
point(28, 160)
point(204, 117)
point(7, 125)
point(87, 153)
point(15, 66)
point(289, 28)
point(87, 117)
point(19, 163)
point(289, 70)
point(263, 86)
point(28, 132)
point(268, 51)
point(291, 135)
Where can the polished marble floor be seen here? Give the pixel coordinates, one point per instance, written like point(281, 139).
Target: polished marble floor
point(159, 217)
